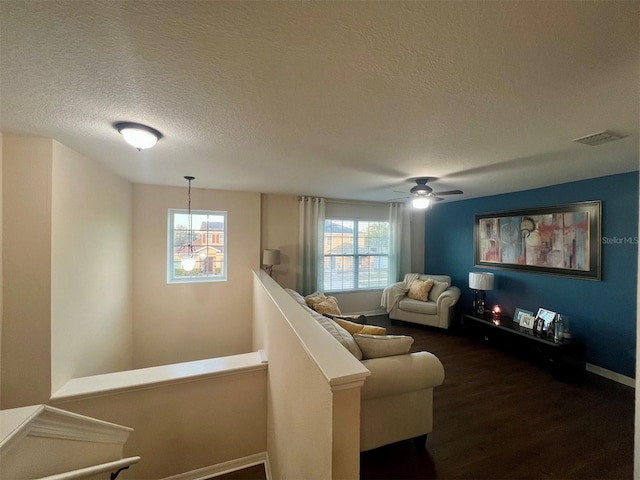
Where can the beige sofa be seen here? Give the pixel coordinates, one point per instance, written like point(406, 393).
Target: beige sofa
point(437, 311)
point(397, 398)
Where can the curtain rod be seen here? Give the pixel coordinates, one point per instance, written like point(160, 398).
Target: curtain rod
point(349, 202)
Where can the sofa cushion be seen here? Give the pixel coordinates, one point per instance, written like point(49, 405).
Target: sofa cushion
point(377, 346)
point(339, 333)
point(417, 306)
point(437, 289)
point(296, 296)
point(354, 328)
point(419, 289)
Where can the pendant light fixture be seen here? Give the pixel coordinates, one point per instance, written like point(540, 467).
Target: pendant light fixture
point(189, 257)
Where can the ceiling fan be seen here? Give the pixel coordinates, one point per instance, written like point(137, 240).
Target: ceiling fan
point(422, 194)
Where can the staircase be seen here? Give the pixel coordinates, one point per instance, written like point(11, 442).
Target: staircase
point(43, 442)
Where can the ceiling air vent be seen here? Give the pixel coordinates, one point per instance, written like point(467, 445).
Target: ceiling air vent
point(597, 138)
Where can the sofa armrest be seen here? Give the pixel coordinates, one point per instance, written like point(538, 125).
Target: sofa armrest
point(448, 298)
point(401, 373)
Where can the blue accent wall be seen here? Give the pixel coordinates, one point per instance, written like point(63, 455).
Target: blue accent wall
point(601, 313)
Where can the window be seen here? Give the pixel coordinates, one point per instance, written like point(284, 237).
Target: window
point(356, 254)
point(208, 239)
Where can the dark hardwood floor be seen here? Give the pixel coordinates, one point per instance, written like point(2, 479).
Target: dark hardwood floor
point(503, 416)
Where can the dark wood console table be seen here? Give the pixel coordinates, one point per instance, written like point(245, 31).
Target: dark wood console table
point(564, 358)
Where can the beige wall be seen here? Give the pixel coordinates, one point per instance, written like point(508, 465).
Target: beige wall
point(26, 335)
point(1, 277)
point(185, 426)
point(280, 231)
point(91, 278)
point(191, 321)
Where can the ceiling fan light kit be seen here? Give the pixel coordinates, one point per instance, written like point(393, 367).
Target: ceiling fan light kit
point(422, 195)
point(420, 202)
point(137, 135)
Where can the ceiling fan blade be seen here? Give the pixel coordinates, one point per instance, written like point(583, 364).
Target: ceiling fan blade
point(437, 199)
point(449, 192)
point(396, 199)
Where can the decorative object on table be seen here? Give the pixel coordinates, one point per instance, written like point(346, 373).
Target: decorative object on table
point(559, 240)
point(558, 327)
point(270, 257)
point(518, 314)
point(480, 282)
point(527, 321)
point(544, 321)
point(496, 312)
point(188, 256)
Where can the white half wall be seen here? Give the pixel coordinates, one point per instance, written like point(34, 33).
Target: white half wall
point(91, 276)
point(191, 321)
point(313, 407)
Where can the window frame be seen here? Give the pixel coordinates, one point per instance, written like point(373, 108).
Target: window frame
point(355, 255)
point(171, 278)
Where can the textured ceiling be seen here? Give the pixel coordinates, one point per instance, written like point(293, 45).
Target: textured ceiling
point(339, 99)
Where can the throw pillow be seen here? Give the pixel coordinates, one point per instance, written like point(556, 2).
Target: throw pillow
point(437, 289)
point(354, 328)
point(329, 305)
point(376, 346)
point(419, 289)
point(314, 298)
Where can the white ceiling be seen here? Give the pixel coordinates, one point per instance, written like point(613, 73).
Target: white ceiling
point(338, 99)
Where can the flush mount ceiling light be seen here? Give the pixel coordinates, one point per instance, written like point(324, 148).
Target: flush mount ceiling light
point(137, 135)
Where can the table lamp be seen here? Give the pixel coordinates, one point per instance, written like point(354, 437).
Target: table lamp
point(270, 257)
point(480, 282)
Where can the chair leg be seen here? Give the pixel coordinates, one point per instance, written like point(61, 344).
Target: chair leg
point(420, 442)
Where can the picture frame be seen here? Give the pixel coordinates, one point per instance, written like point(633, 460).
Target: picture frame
point(518, 314)
point(557, 240)
point(527, 321)
point(544, 321)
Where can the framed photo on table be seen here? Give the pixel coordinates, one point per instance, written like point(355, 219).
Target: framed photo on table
point(544, 321)
point(526, 321)
point(519, 313)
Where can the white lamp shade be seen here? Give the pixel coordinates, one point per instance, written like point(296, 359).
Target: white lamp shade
point(420, 202)
point(481, 280)
point(271, 256)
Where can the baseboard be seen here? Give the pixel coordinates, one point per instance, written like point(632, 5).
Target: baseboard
point(371, 313)
point(226, 467)
point(616, 377)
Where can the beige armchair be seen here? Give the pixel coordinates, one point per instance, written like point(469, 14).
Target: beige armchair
point(437, 311)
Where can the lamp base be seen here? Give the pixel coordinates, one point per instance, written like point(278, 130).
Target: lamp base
point(479, 303)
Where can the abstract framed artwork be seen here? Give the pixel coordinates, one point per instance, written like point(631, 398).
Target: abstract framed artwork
point(559, 240)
